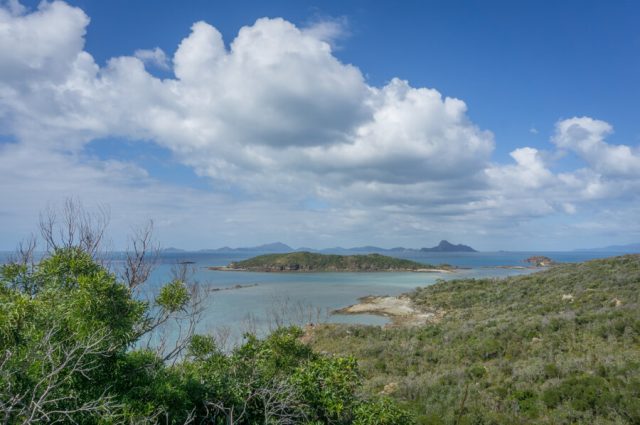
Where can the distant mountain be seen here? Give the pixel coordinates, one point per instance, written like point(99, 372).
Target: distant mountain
point(446, 246)
point(356, 249)
point(306, 249)
point(281, 248)
point(172, 250)
point(276, 247)
point(631, 248)
point(273, 247)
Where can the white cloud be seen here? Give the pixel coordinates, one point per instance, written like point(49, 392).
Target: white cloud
point(275, 115)
point(413, 135)
point(14, 7)
point(585, 136)
point(529, 172)
point(154, 57)
point(41, 45)
point(569, 208)
point(330, 30)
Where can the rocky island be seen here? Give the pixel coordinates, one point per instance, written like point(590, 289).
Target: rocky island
point(446, 246)
point(312, 262)
point(540, 261)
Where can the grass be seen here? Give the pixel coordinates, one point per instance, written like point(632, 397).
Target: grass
point(555, 347)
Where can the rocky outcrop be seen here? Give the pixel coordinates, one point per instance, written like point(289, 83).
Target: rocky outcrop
point(446, 246)
point(540, 261)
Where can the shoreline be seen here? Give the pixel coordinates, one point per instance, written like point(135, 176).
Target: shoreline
point(401, 310)
point(231, 269)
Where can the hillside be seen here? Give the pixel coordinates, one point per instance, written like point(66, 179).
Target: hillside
point(560, 346)
point(312, 262)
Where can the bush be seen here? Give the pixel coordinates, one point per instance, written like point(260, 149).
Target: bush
point(70, 336)
point(381, 412)
point(529, 356)
point(583, 393)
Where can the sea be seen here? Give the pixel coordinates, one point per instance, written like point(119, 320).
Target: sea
point(239, 302)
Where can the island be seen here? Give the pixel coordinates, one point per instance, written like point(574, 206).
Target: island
point(540, 261)
point(313, 262)
point(446, 246)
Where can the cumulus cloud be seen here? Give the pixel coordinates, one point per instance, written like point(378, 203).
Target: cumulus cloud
point(330, 30)
point(585, 136)
point(154, 57)
point(14, 7)
point(41, 45)
point(413, 135)
point(529, 172)
point(274, 114)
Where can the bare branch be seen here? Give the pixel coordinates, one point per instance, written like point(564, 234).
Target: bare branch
point(61, 361)
point(169, 333)
point(48, 221)
point(280, 402)
point(141, 257)
point(77, 227)
point(24, 254)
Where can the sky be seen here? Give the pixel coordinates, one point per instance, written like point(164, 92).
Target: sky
point(500, 124)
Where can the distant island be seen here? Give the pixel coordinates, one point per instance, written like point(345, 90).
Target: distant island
point(281, 248)
point(446, 246)
point(276, 247)
point(314, 262)
point(630, 248)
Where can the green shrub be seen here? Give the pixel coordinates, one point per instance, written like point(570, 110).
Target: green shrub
point(381, 412)
point(529, 356)
point(476, 371)
point(173, 296)
point(70, 335)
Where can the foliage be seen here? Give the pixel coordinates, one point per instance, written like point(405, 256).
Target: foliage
point(173, 296)
point(70, 351)
point(556, 347)
point(382, 412)
point(307, 261)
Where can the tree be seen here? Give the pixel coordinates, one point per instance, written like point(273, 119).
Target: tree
point(74, 348)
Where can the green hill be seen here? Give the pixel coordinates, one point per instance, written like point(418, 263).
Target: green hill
point(311, 262)
point(560, 346)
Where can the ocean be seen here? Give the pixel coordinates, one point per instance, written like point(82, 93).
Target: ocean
point(238, 302)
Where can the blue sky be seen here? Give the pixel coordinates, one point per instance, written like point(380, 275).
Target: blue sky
point(517, 65)
point(355, 139)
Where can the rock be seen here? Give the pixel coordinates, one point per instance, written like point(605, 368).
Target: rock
point(540, 261)
point(390, 388)
point(307, 336)
point(446, 246)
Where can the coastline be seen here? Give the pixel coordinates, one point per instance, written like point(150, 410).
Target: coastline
point(233, 269)
point(401, 310)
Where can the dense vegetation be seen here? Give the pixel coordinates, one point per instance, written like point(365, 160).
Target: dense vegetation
point(311, 262)
point(72, 350)
point(556, 347)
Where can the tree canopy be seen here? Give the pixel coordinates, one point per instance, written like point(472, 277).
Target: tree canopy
point(72, 350)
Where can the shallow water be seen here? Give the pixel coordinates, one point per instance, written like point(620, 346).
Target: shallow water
point(310, 297)
point(268, 299)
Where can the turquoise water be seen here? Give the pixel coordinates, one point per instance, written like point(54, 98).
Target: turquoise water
point(268, 299)
point(310, 297)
